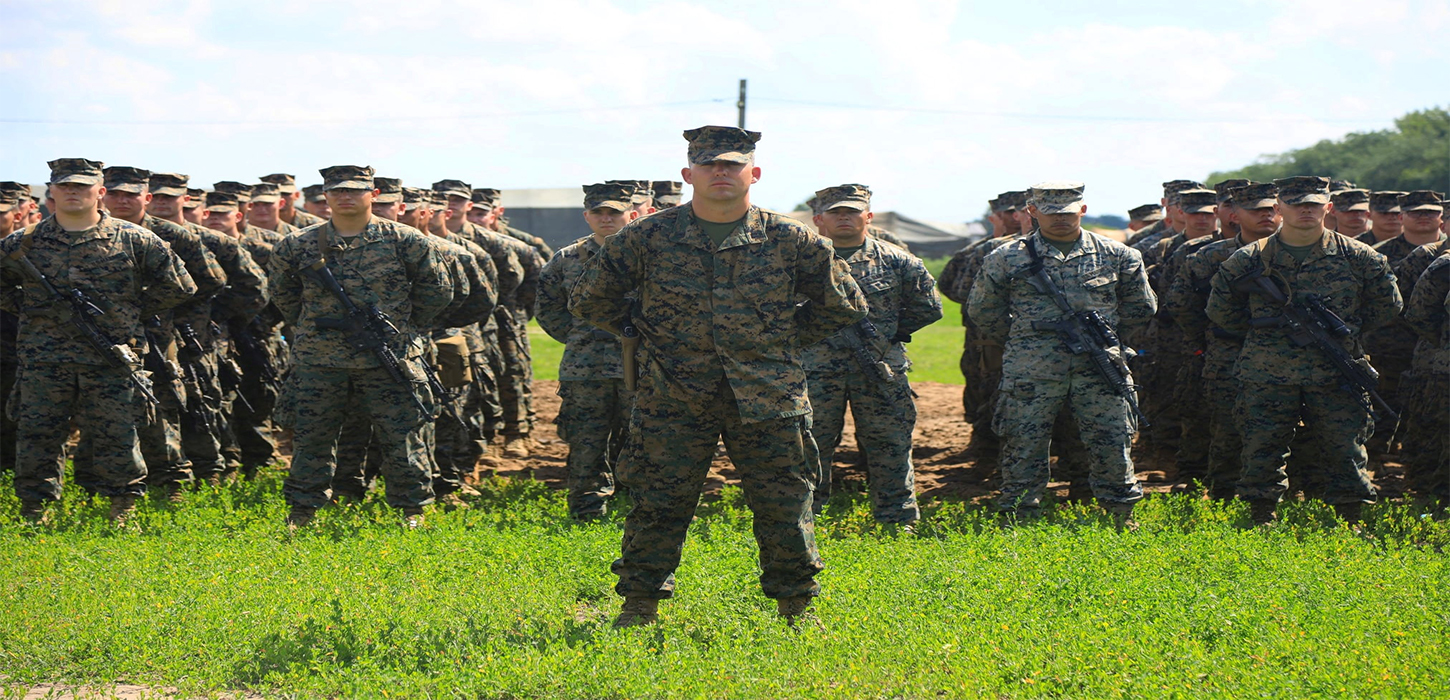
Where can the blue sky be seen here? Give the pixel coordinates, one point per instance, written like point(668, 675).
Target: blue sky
point(936, 105)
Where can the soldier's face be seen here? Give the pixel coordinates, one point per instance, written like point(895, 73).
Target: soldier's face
point(7, 221)
point(1352, 223)
point(843, 223)
point(606, 221)
point(318, 208)
point(223, 220)
point(1257, 223)
point(387, 210)
point(1387, 223)
point(1303, 216)
point(493, 214)
point(1064, 226)
point(165, 206)
point(478, 217)
point(130, 206)
point(289, 202)
point(350, 202)
point(417, 217)
point(458, 207)
point(1024, 219)
point(1200, 224)
point(76, 198)
point(264, 214)
point(1423, 222)
point(721, 181)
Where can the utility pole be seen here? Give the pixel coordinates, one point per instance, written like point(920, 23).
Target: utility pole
point(740, 104)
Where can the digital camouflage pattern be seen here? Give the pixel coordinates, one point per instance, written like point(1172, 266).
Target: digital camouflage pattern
point(1039, 374)
point(720, 329)
point(1392, 348)
point(1282, 383)
point(589, 352)
point(901, 299)
point(711, 143)
point(1427, 410)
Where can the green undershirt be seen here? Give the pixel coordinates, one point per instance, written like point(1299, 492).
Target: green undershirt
point(1298, 252)
point(1063, 247)
point(844, 253)
point(717, 232)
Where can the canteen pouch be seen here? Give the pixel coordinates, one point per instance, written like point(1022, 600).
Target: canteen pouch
point(454, 369)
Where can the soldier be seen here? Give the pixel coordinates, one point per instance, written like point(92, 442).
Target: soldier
point(1384, 216)
point(498, 223)
point(243, 297)
point(388, 204)
point(1141, 217)
point(594, 402)
point(1225, 208)
point(1281, 383)
point(865, 365)
point(287, 211)
point(727, 291)
point(314, 201)
point(1218, 349)
point(265, 211)
point(1172, 221)
point(379, 265)
point(641, 198)
point(1351, 213)
point(1428, 456)
point(131, 275)
point(167, 466)
point(193, 207)
point(668, 193)
point(1392, 345)
point(1039, 373)
point(10, 213)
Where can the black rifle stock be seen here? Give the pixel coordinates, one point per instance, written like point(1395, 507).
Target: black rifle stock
point(859, 336)
point(1309, 322)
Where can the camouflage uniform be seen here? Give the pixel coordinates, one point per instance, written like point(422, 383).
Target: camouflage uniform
point(1427, 448)
point(719, 326)
point(901, 298)
point(10, 193)
point(456, 334)
point(516, 393)
point(886, 236)
point(132, 274)
point(1280, 383)
point(594, 409)
point(1039, 374)
point(394, 267)
point(287, 185)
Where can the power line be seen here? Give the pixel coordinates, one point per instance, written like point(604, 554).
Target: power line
point(1064, 117)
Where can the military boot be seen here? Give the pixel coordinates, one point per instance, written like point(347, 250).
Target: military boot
point(299, 517)
point(34, 512)
point(637, 612)
point(1122, 514)
point(1263, 512)
point(795, 608)
point(452, 501)
point(516, 447)
point(121, 508)
point(1351, 513)
point(172, 493)
point(413, 517)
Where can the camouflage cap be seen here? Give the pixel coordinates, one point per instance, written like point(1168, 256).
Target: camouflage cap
point(453, 188)
point(414, 197)
point(639, 190)
point(1422, 200)
point(1173, 187)
point(664, 189)
point(814, 204)
point(124, 178)
point(222, 201)
point(242, 190)
point(19, 188)
point(1013, 201)
point(610, 195)
point(1255, 195)
point(1200, 201)
point(1303, 189)
point(8, 200)
point(1350, 200)
point(995, 206)
point(439, 199)
point(79, 170)
point(314, 193)
point(1146, 212)
point(1223, 188)
point(856, 197)
point(1340, 186)
point(390, 189)
point(169, 184)
point(713, 143)
point(286, 184)
point(493, 195)
point(481, 197)
point(1056, 196)
point(197, 195)
point(265, 192)
point(348, 177)
point(1385, 202)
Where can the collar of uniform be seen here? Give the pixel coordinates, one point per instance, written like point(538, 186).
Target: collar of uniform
point(1329, 244)
point(102, 230)
point(869, 250)
point(750, 231)
point(1085, 245)
point(589, 245)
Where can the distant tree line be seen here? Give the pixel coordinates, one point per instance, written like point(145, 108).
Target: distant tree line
point(1415, 155)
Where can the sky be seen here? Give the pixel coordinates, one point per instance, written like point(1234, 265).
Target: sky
point(936, 105)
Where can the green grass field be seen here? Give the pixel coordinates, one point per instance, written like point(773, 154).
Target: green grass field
point(511, 600)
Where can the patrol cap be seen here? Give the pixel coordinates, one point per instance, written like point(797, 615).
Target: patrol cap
point(79, 170)
point(1422, 200)
point(712, 143)
point(19, 188)
point(222, 201)
point(314, 193)
point(1199, 201)
point(1146, 212)
point(197, 195)
point(995, 205)
point(1350, 200)
point(1255, 195)
point(453, 188)
point(242, 191)
point(123, 178)
point(1385, 202)
point(480, 197)
point(639, 190)
point(265, 192)
point(8, 200)
point(610, 195)
point(1223, 188)
point(1303, 189)
point(347, 177)
point(1013, 201)
point(439, 199)
point(814, 203)
point(1173, 187)
point(1056, 196)
point(390, 189)
point(286, 184)
point(1340, 186)
point(856, 197)
point(667, 192)
point(492, 196)
point(414, 197)
point(169, 184)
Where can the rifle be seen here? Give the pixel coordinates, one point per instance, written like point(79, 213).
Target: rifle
point(1309, 322)
point(367, 329)
point(1086, 333)
point(82, 311)
point(158, 364)
point(858, 337)
point(253, 356)
point(190, 353)
point(230, 376)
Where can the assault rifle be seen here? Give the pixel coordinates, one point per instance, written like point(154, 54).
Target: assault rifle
point(82, 313)
point(159, 365)
point(1086, 333)
point(367, 329)
point(858, 338)
point(251, 355)
point(1309, 322)
point(193, 377)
